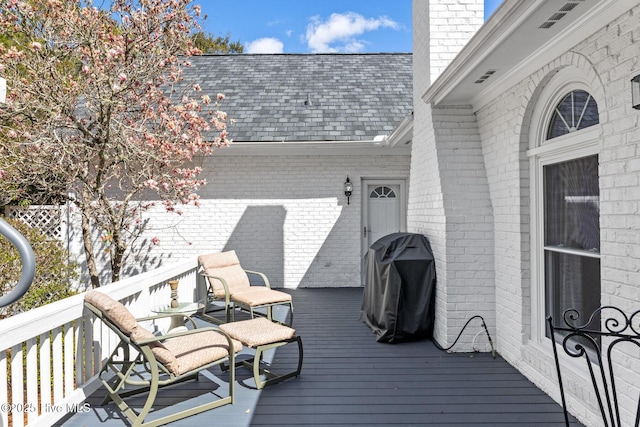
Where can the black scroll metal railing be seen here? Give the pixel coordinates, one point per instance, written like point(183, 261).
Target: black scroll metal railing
point(603, 341)
point(28, 263)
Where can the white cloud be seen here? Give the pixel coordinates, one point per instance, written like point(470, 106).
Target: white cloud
point(353, 47)
point(342, 29)
point(265, 45)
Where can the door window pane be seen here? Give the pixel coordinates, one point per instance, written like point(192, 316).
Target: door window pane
point(382, 192)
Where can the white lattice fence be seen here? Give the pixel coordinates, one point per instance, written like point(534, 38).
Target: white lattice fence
point(47, 219)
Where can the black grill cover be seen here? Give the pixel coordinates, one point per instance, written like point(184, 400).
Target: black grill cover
point(399, 290)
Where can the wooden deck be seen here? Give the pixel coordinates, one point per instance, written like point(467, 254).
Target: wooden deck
point(349, 379)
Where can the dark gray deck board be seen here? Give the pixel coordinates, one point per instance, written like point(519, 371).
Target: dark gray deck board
point(350, 379)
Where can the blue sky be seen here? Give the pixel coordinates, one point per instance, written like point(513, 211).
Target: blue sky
point(315, 26)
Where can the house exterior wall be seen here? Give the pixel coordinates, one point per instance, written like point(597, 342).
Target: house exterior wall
point(286, 216)
point(507, 170)
point(449, 203)
point(606, 62)
point(448, 195)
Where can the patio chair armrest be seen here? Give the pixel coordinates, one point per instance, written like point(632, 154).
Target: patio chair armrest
point(262, 275)
point(224, 283)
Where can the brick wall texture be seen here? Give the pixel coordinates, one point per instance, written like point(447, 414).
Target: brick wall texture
point(448, 194)
point(286, 216)
point(470, 192)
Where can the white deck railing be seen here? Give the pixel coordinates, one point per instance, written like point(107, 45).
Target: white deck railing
point(51, 355)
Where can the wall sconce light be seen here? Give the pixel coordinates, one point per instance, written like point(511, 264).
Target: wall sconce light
point(348, 188)
point(635, 92)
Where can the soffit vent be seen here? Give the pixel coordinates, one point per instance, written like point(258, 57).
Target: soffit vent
point(561, 13)
point(485, 76)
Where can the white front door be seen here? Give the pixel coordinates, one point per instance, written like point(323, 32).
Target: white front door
point(384, 209)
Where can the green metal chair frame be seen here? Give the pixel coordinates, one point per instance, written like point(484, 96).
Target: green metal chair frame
point(254, 364)
point(230, 302)
point(128, 372)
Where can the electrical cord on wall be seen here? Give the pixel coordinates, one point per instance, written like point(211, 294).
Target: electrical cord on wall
point(484, 325)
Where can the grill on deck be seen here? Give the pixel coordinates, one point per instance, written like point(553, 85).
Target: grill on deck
point(399, 293)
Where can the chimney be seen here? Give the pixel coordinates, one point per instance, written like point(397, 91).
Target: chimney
point(441, 28)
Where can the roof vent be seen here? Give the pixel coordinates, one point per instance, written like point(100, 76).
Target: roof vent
point(308, 102)
point(561, 13)
point(569, 6)
point(485, 76)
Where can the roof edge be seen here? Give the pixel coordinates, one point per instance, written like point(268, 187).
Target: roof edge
point(499, 26)
point(402, 135)
point(591, 21)
point(304, 54)
point(379, 146)
point(505, 22)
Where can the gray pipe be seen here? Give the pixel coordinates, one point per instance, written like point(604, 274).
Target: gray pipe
point(28, 263)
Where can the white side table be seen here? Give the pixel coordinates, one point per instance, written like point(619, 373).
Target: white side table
point(184, 308)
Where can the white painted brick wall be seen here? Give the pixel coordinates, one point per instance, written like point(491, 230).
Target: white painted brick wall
point(439, 181)
point(507, 171)
point(451, 24)
point(468, 229)
point(286, 216)
point(608, 59)
point(426, 214)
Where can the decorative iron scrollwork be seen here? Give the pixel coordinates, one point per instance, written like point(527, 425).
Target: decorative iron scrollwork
point(607, 329)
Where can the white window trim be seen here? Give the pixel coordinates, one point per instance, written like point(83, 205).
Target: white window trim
point(566, 80)
point(542, 152)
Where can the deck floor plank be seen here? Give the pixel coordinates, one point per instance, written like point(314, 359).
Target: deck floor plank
point(349, 379)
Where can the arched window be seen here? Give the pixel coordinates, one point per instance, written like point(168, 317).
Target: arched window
point(576, 111)
point(382, 192)
point(565, 193)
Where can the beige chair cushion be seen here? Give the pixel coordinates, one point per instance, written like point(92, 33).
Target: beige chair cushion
point(162, 353)
point(113, 310)
point(124, 320)
point(233, 275)
point(195, 350)
point(179, 355)
point(258, 331)
point(219, 259)
point(227, 266)
point(259, 295)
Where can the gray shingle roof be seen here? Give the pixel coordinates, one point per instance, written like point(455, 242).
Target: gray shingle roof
point(308, 97)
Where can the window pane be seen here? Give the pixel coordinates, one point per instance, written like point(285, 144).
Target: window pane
point(572, 204)
point(572, 281)
point(382, 192)
point(577, 110)
point(572, 223)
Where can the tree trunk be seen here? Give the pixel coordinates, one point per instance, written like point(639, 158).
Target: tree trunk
point(119, 245)
point(117, 257)
point(88, 251)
